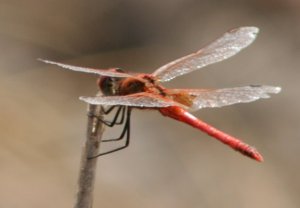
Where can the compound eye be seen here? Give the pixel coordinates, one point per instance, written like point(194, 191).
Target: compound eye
point(110, 81)
point(107, 85)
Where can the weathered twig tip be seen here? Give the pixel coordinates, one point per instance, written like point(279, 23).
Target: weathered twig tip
point(88, 167)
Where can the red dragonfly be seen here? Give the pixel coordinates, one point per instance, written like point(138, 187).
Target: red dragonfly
point(125, 91)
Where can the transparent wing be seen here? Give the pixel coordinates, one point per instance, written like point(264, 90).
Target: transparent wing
point(229, 96)
point(88, 70)
point(136, 100)
point(224, 47)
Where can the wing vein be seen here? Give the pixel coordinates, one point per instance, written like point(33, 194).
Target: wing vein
point(222, 48)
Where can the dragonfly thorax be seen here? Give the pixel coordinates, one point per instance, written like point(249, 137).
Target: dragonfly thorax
point(111, 86)
point(131, 86)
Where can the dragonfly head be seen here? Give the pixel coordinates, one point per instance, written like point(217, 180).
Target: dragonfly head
point(110, 85)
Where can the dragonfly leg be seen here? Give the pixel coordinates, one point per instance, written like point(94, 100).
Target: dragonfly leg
point(108, 110)
point(125, 130)
point(115, 121)
point(121, 109)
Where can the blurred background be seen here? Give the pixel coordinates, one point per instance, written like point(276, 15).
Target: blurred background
point(168, 164)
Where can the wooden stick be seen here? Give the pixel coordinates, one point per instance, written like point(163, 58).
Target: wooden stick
point(88, 166)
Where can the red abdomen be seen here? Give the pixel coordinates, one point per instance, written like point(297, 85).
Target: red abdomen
point(184, 116)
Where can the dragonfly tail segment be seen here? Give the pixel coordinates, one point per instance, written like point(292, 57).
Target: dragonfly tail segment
point(184, 116)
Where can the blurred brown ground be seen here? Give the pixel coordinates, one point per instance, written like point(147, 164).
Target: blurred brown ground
point(169, 164)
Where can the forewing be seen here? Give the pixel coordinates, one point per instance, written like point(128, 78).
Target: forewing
point(135, 100)
point(224, 47)
point(100, 72)
point(229, 96)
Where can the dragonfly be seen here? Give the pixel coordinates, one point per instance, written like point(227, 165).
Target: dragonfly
point(124, 91)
